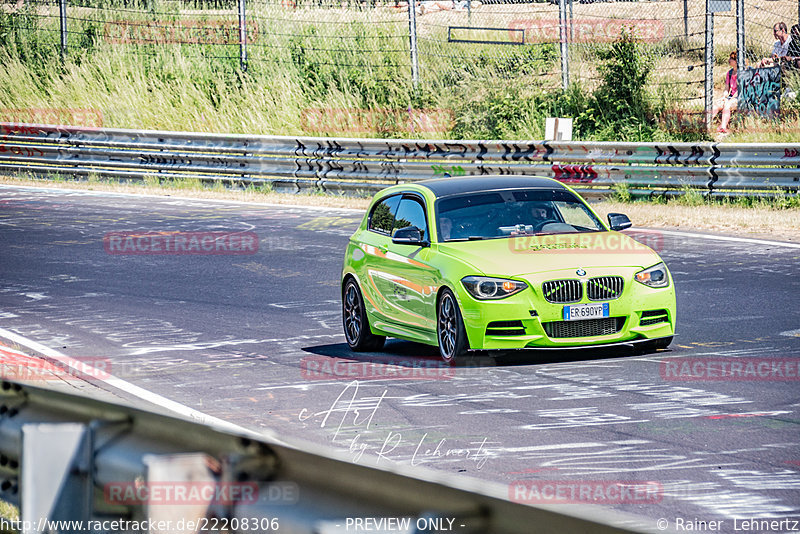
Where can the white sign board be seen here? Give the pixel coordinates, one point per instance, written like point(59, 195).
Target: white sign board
point(557, 129)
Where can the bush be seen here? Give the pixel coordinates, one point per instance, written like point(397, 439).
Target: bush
point(620, 106)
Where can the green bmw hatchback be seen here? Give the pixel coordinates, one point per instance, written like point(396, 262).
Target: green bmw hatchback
point(498, 263)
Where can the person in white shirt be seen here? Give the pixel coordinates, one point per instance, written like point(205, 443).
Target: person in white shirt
point(780, 48)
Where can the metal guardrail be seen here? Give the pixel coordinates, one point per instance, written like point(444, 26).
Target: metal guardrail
point(74, 458)
point(369, 164)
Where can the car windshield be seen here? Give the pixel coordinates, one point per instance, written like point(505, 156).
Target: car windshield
point(499, 214)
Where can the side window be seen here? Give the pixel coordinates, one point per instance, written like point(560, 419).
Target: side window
point(382, 218)
point(411, 213)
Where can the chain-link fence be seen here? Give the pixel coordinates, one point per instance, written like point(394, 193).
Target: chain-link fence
point(371, 43)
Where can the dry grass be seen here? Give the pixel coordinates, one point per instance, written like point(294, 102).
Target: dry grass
point(299, 199)
point(782, 225)
point(764, 223)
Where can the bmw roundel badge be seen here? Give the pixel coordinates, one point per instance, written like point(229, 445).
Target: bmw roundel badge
point(580, 272)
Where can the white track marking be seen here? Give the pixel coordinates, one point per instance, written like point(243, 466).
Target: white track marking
point(131, 389)
point(718, 237)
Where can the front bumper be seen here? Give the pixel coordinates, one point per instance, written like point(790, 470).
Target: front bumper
point(522, 317)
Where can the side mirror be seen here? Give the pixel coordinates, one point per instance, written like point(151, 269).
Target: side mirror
point(410, 235)
point(619, 221)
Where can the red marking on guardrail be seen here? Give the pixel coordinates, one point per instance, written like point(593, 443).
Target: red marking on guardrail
point(24, 151)
point(574, 173)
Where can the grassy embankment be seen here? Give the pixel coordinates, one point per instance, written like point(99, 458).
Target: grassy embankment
point(296, 65)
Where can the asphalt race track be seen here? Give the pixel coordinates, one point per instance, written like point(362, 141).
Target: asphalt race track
point(244, 337)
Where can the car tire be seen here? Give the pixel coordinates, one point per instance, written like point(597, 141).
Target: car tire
point(355, 322)
point(450, 332)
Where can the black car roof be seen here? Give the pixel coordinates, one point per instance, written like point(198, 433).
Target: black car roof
point(443, 187)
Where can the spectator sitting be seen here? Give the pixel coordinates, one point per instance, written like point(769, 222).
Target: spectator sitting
point(779, 49)
point(792, 59)
point(730, 100)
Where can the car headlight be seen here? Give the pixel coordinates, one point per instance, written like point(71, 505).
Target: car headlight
point(655, 276)
point(485, 288)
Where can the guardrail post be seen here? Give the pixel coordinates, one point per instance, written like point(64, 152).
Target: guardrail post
point(709, 63)
point(62, 9)
point(242, 36)
point(562, 30)
point(412, 41)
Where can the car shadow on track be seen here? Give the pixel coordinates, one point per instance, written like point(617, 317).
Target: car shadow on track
point(410, 354)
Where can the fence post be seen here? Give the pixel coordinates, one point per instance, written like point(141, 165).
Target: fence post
point(740, 49)
point(562, 30)
point(412, 41)
point(62, 8)
point(242, 36)
point(709, 63)
point(686, 18)
point(571, 24)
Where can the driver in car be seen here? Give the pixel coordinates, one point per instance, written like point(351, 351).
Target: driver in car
point(538, 213)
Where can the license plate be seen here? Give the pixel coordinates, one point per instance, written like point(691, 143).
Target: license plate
point(586, 311)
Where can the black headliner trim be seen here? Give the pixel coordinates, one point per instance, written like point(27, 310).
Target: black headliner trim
point(443, 187)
